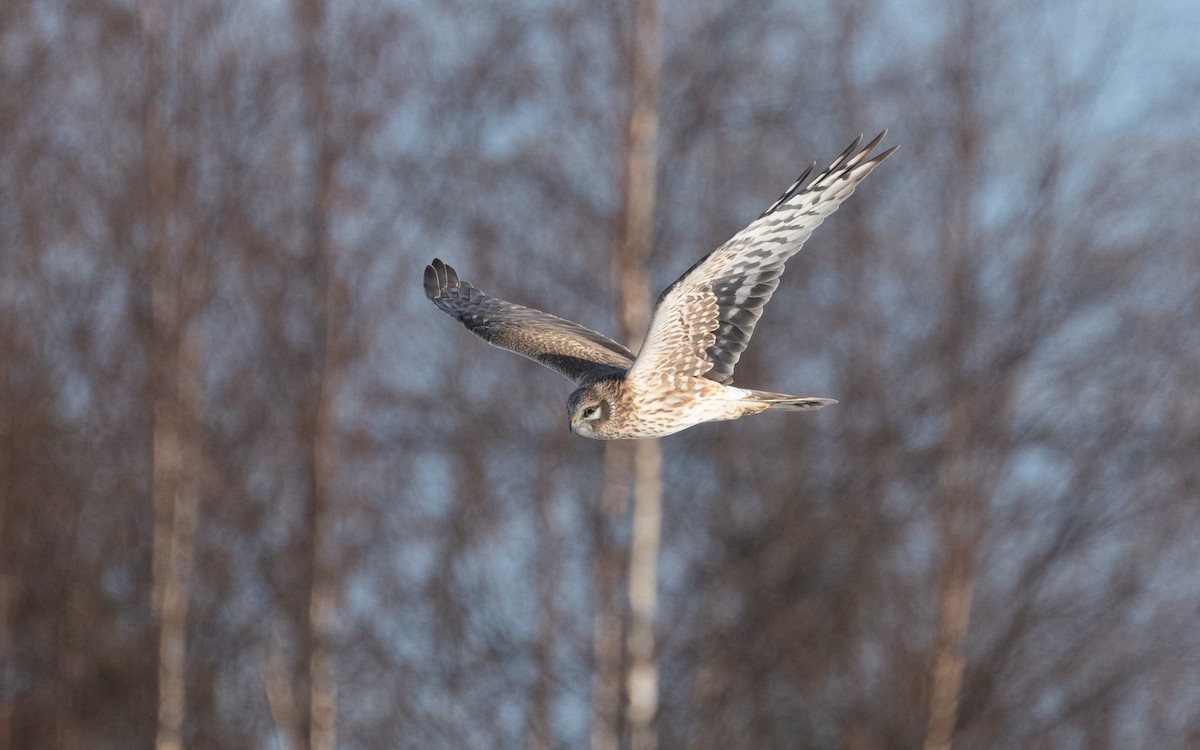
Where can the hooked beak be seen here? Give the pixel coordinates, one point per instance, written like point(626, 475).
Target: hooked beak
point(571, 425)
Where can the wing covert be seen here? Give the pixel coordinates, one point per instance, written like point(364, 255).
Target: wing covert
point(565, 347)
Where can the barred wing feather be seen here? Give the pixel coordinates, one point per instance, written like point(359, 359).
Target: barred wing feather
point(704, 320)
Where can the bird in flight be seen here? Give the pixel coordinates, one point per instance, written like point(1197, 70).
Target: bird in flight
point(699, 329)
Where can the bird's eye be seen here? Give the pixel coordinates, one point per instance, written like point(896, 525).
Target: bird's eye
point(589, 412)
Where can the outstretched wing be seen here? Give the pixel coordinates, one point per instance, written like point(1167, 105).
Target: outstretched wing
point(565, 347)
point(704, 320)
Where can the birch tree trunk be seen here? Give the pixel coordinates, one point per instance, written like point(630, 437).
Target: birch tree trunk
point(606, 574)
point(7, 577)
point(175, 385)
point(322, 597)
point(956, 537)
point(642, 458)
point(637, 238)
point(959, 492)
point(539, 734)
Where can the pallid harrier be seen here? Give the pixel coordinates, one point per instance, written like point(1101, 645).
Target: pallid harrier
point(700, 326)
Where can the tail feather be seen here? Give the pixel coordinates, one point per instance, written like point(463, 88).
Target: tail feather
point(784, 402)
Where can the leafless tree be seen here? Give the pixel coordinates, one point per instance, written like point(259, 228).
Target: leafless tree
point(629, 263)
point(255, 491)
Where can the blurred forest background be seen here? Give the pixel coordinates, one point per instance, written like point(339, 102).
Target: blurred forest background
point(255, 491)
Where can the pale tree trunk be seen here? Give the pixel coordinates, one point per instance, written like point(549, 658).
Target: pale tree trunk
point(644, 457)
point(606, 572)
point(281, 699)
point(949, 661)
point(539, 733)
point(176, 586)
point(961, 489)
point(7, 592)
point(164, 288)
point(69, 733)
point(641, 683)
point(322, 598)
point(642, 679)
point(957, 531)
point(175, 388)
point(8, 580)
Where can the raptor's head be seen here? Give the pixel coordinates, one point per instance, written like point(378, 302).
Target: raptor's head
point(590, 409)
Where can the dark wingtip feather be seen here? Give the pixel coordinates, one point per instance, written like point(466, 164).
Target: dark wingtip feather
point(849, 150)
point(440, 280)
point(859, 164)
point(875, 142)
point(433, 282)
point(886, 154)
point(794, 188)
point(811, 166)
point(843, 165)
